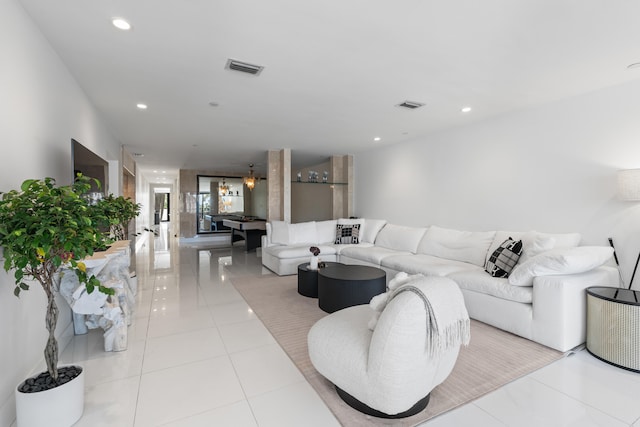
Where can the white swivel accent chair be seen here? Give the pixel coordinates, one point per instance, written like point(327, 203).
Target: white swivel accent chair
point(390, 371)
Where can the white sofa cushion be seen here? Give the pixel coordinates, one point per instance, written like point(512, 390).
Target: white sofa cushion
point(499, 287)
point(283, 233)
point(372, 228)
point(564, 240)
point(560, 261)
point(325, 249)
point(370, 254)
point(342, 247)
point(400, 238)
point(279, 232)
point(466, 246)
point(298, 251)
point(326, 231)
point(428, 265)
point(303, 232)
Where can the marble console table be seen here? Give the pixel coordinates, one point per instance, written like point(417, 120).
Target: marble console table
point(97, 310)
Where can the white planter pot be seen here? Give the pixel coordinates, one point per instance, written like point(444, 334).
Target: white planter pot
point(59, 407)
point(313, 264)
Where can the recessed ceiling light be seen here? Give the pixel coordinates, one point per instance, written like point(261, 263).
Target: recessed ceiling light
point(634, 65)
point(142, 106)
point(465, 109)
point(121, 24)
point(377, 138)
point(155, 171)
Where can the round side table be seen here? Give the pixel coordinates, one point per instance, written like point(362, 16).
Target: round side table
point(613, 326)
point(308, 280)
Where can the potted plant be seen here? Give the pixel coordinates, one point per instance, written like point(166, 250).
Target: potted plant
point(313, 264)
point(116, 213)
point(113, 214)
point(42, 228)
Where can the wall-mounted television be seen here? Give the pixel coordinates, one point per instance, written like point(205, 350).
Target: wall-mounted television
point(90, 164)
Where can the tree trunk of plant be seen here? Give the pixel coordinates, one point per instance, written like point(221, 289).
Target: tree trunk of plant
point(51, 350)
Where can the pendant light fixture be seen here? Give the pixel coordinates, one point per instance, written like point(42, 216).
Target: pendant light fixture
point(250, 181)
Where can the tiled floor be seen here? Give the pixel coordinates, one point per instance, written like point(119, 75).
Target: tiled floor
point(198, 356)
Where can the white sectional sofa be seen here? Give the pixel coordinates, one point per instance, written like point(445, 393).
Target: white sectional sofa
point(543, 299)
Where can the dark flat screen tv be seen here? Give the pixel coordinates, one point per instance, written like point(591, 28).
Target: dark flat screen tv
point(90, 164)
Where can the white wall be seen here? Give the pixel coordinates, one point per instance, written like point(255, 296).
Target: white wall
point(41, 109)
point(258, 199)
point(551, 168)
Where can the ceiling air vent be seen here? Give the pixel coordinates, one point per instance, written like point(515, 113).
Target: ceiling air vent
point(410, 105)
point(244, 67)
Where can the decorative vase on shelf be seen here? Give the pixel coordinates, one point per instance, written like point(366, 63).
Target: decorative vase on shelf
point(313, 263)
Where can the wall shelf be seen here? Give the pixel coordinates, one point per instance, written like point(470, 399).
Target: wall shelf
point(319, 183)
point(313, 199)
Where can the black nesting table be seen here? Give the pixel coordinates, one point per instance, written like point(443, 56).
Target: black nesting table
point(613, 326)
point(341, 285)
point(308, 280)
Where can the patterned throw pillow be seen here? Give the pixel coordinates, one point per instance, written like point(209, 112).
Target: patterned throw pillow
point(504, 258)
point(347, 234)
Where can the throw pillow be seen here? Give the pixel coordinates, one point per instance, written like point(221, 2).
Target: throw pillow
point(535, 243)
point(354, 221)
point(347, 234)
point(560, 261)
point(504, 259)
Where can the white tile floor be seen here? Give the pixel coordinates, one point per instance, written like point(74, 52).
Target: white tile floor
point(198, 356)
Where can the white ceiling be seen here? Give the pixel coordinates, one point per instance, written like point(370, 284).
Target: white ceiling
point(334, 70)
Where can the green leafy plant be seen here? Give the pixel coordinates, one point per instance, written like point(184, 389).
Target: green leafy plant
point(115, 213)
point(44, 227)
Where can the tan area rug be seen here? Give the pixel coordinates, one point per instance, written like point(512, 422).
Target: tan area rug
point(492, 359)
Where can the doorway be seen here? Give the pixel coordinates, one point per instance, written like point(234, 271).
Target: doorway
point(162, 206)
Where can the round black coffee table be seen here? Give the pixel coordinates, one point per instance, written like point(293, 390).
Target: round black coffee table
point(308, 280)
point(341, 286)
